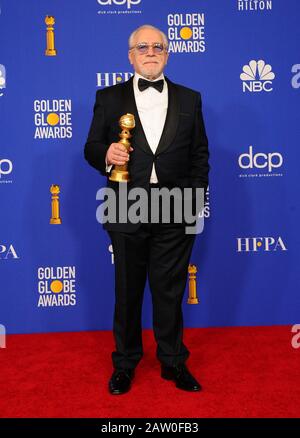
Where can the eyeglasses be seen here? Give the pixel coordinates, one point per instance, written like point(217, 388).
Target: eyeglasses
point(143, 48)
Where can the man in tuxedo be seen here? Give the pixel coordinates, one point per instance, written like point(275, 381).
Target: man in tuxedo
point(169, 149)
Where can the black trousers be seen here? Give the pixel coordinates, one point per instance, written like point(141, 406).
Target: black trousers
point(161, 251)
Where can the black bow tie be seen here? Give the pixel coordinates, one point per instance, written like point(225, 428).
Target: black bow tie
point(143, 84)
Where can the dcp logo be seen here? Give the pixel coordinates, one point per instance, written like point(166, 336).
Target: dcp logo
point(260, 160)
point(5, 167)
point(128, 3)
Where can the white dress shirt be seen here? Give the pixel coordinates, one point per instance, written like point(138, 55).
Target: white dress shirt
point(152, 107)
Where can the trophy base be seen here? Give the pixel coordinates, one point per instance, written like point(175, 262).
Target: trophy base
point(50, 52)
point(119, 176)
point(55, 221)
point(193, 301)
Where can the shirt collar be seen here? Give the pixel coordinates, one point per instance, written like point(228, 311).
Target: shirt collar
point(137, 76)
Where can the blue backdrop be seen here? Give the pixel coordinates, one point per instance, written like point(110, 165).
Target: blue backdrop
point(243, 56)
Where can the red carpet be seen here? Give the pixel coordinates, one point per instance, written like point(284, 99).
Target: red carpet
point(245, 372)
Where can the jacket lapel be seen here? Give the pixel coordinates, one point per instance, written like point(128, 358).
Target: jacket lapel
point(139, 138)
point(169, 131)
point(172, 118)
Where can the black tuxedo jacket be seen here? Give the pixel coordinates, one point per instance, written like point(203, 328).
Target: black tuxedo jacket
point(181, 158)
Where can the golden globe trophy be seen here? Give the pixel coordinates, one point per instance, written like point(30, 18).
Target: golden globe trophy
point(50, 50)
point(55, 219)
point(192, 269)
point(120, 172)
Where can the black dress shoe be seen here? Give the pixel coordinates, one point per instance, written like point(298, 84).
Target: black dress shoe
point(120, 381)
point(181, 376)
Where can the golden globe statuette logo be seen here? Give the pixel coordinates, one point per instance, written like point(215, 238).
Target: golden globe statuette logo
point(56, 286)
point(55, 219)
point(186, 33)
point(192, 269)
point(120, 172)
point(50, 50)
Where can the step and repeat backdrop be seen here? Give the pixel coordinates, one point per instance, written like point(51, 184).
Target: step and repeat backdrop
point(56, 261)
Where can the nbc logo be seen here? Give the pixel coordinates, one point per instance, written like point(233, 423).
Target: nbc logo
point(257, 76)
point(186, 33)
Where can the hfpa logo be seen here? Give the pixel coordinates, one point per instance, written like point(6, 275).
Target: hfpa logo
point(257, 76)
point(108, 79)
point(8, 252)
point(260, 244)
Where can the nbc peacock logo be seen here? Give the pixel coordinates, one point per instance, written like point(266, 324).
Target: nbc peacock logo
point(257, 76)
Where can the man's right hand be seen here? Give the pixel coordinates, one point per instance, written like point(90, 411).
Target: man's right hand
point(117, 154)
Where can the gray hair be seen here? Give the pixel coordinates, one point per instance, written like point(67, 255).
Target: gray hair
point(147, 26)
